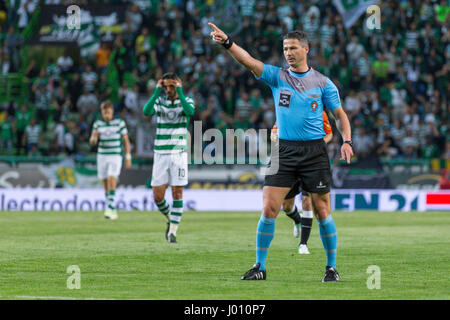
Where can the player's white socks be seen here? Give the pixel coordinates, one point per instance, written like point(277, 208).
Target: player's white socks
point(175, 216)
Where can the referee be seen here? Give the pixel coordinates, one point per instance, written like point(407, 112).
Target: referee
point(300, 94)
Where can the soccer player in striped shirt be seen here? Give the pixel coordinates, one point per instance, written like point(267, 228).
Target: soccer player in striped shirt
point(170, 162)
point(110, 133)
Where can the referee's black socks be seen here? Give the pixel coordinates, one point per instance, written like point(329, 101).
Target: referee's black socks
point(294, 215)
point(306, 229)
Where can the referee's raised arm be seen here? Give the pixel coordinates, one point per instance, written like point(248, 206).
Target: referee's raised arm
point(239, 54)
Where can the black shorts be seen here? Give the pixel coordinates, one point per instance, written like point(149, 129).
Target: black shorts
point(295, 190)
point(303, 162)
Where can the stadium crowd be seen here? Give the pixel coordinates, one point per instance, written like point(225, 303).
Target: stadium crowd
point(393, 81)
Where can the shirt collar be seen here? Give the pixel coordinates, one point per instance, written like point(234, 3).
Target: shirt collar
point(299, 74)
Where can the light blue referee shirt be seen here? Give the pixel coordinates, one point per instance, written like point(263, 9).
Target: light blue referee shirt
point(299, 101)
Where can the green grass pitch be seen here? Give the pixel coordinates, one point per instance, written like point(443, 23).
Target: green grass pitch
point(129, 258)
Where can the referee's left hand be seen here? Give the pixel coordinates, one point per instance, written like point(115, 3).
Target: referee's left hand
point(346, 152)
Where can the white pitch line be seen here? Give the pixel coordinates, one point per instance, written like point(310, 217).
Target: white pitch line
point(52, 297)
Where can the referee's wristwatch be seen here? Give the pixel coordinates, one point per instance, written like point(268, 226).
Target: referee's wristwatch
point(350, 142)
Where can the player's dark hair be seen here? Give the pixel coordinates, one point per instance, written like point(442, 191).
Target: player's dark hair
point(301, 36)
point(171, 75)
point(106, 105)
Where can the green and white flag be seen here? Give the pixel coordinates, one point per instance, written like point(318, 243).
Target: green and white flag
point(351, 10)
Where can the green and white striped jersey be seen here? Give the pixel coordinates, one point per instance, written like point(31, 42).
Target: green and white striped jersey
point(110, 136)
point(171, 125)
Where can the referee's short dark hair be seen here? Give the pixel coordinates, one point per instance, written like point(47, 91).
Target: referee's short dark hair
point(301, 36)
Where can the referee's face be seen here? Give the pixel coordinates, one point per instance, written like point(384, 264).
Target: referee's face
point(294, 52)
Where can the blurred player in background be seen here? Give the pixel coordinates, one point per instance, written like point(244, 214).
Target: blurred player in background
point(170, 163)
point(300, 94)
point(303, 221)
point(110, 133)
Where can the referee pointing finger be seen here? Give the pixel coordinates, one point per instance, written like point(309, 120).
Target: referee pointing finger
point(300, 94)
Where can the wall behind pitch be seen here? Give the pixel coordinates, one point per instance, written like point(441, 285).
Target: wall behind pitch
point(214, 200)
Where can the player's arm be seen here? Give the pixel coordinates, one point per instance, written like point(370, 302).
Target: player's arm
point(126, 144)
point(328, 137)
point(238, 53)
point(149, 108)
point(127, 149)
point(94, 138)
point(332, 101)
point(343, 125)
point(188, 107)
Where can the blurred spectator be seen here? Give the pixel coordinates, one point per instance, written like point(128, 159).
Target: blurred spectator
point(131, 99)
point(388, 149)
point(429, 150)
point(59, 99)
point(102, 58)
point(5, 63)
point(399, 96)
point(363, 143)
point(69, 140)
point(86, 101)
point(410, 144)
point(243, 106)
point(135, 17)
point(32, 138)
point(6, 134)
point(354, 50)
point(143, 42)
point(13, 43)
point(53, 72)
point(352, 104)
point(89, 78)
point(142, 66)
point(59, 137)
point(380, 70)
point(22, 119)
point(444, 181)
point(65, 63)
point(103, 88)
point(75, 88)
point(43, 100)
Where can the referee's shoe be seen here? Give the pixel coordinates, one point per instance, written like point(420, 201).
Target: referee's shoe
point(254, 273)
point(331, 275)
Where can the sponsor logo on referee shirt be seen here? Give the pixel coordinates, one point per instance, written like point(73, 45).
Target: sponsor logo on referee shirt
point(314, 105)
point(285, 98)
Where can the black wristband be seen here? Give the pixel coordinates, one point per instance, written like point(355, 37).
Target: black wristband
point(228, 43)
point(349, 142)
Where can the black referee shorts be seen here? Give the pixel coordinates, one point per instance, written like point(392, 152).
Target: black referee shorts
point(295, 190)
point(303, 162)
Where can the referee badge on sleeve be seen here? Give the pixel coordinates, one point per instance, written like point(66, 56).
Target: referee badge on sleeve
point(285, 98)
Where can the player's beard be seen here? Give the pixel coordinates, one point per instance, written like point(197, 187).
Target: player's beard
point(172, 96)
